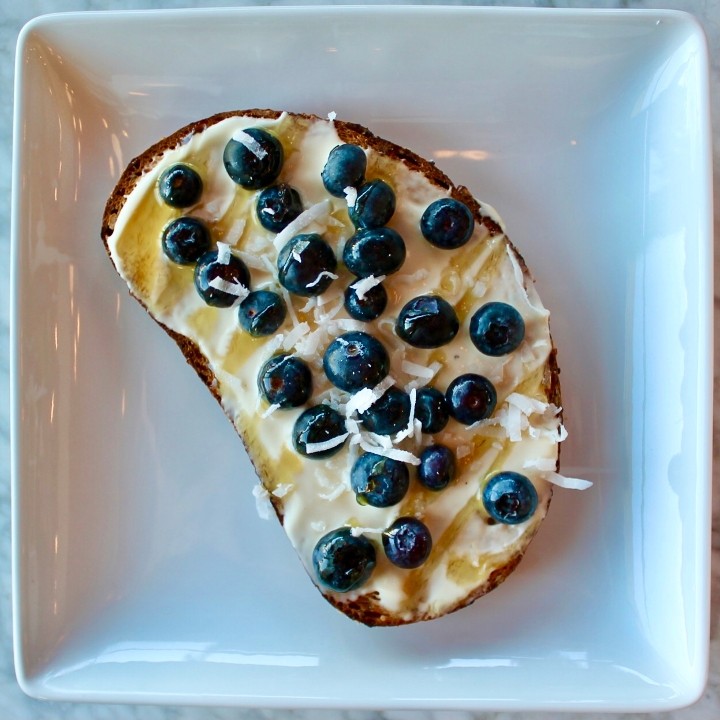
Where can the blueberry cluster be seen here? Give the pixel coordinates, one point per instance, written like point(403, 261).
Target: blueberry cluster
point(355, 360)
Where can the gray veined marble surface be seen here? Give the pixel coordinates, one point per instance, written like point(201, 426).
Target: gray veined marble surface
point(13, 703)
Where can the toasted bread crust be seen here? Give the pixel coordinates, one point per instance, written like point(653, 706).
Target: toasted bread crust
point(365, 608)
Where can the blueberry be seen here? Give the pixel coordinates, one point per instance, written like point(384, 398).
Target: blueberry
point(356, 360)
point(376, 251)
point(345, 167)
point(342, 561)
point(257, 167)
point(318, 424)
point(471, 398)
point(437, 467)
point(278, 206)
point(374, 205)
point(304, 263)
point(407, 543)
point(510, 498)
point(389, 414)
point(285, 380)
point(379, 481)
point(447, 223)
point(427, 321)
point(261, 313)
point(497, 329)
point(180, 186)
point(431, 410)
point(233, 272)
point(185, 239)
point(368, 307)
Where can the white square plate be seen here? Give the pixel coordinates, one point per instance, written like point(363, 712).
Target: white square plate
point(141, 570)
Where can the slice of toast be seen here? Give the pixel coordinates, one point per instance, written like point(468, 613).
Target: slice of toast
point(472, 550)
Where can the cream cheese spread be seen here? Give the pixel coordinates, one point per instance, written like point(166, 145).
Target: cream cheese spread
point(314, 495)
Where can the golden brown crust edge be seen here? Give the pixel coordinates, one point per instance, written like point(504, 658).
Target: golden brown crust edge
point(366, 608)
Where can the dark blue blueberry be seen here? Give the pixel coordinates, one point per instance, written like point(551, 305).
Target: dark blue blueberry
point(431, 410)
point(510, 498)
point(497, 329)
point(471, 398)
point(185, 239)
point(437, 467)
point(254, 170)
point(356, 360)
point(427, 321)
point(407, 543)
point(303, 264)
point(389, 414)
point(278, 206)
point(180, 186)
point(447, 223)
point(285, 380)
point(233, 272)
point(261, 313)
point(317, 424)
point(379, 481)
point(368, 307)
point(377, 251)
point(345, 167)
point(374, 205)
point(342, 561)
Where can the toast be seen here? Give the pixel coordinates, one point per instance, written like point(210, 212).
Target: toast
point(394, 523)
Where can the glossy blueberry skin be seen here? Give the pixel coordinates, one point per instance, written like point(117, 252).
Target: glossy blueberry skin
point(510, 498)
point(343, 562)
point(389, 414)
point(278, 206)
point(447, 223)
point(497, 329)
point(285, 380)
point(301, 276)
point(207, 268)
point(437, 467)
point(427, 321)
point(431, 410)
point(379, 481)
point(471, 398)
point(407, 543)
point(374, 251)
point(318, 424)
point(246, 168)
point(374, 206)
point(356, 360)
point(370, 306)
point(180, 186)
point(345, 167)
point(185, 240)
point(261, 313)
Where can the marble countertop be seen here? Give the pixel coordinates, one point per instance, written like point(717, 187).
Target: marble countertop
point(14, 705)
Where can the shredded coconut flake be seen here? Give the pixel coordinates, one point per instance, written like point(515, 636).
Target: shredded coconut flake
point(231, 288)
point(282, 490)
point(223, 253)
point(298, 332)
point(326, 444)
point(324, 273)
point(567, 482)
point(312, 214)
point(392, 453)
point(268, 211)
point(331, 116)
point(350, 196)
point(462, 451)
point(235, 232)
point(262, 502)
point(250, 143)
point(410, 429)
point(358, 531)
point(290, 306)
point(335, 493)
point(251, 260)
point(365, 398)
point(425, 373)
point(363, 285)
point(318, 525)
point(417, 276)
point(270, 410)
point(526, 404)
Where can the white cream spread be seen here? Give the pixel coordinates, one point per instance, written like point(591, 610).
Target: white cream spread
point(315, 495)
